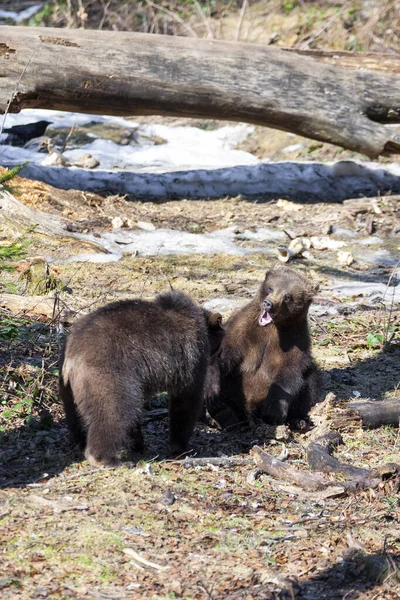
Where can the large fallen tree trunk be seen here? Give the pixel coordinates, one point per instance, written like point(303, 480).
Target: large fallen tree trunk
point(139, 74)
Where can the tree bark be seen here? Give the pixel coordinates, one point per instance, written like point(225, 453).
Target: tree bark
point(376, 414)
point(320, 458)
point(21, 217)
point(390, 63)
point(310, 482)
point(129, 74)
point(365, 414)
point(45, 308)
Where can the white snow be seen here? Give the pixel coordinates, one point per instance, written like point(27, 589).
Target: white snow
point(18, 17)
point(193, 163)
point(170, 241)
point(185, 147)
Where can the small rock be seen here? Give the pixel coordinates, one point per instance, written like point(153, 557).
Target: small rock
point(283, 433)
point(288, 206)
point(55, 159)
point(168, 498)
point(345, 259)
point(145, 225)
point(326, 243)
point(86, 161)
point(117, 222)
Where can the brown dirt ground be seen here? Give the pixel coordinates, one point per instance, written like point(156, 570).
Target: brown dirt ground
point(64, 527)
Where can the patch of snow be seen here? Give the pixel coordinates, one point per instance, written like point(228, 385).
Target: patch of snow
point(366, 290)
point(18, 17)
point(377, 257)
point(292, 148)
point(93, 257)
point(263, 234)
point(174, 154)
point(170, 241)
point(194, 163)
point(371, 240)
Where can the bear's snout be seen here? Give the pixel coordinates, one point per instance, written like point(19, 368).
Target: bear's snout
point(267, 305)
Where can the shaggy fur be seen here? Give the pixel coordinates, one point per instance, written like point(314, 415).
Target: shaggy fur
point(265, 362)
point(125, 352)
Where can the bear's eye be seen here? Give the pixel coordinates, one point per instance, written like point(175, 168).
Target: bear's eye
point(268, 291)
point(287, 298)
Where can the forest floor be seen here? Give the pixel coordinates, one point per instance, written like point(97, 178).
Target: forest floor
point(210, 532)
point(162, 529)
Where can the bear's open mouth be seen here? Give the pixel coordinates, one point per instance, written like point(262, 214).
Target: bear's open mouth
point(265, 318)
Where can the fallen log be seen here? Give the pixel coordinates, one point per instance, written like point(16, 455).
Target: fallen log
point(283, 472)
point(20, 217)
point(45, 308)
point(332, 414)
point(129, 74)
point(351, 415)
point(320, 459)
point(376, 414)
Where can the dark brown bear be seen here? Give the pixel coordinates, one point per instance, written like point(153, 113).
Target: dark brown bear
point(125, 352)
point(266, 368)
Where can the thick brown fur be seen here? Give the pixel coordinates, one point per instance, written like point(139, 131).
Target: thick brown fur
point(265, 362)
point(125, 352)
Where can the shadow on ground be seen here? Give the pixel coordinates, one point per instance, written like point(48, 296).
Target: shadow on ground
point(352, 577)
point(375, 377)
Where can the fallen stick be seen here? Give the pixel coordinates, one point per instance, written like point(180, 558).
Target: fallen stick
point(283, 472)
point(137, 557)
point(319, 457)
point(216, 461)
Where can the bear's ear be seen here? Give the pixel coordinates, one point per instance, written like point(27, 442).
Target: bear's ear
point(314, 287)
point(310, 291)
point(267, 275)
point(214, 319)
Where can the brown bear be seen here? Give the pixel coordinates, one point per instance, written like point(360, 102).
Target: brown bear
point(265, 363)
point(125, 352)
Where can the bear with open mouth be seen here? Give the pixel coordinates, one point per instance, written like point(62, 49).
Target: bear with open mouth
point(265, 365)
point(125, 352)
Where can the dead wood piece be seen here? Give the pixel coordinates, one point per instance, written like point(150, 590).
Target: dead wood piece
point(354, 60)
point(376, 414)
point(333, 415)
point(141, 559)
point(22, 217)
point(44, 307)
point(156, 413)
point(307, 481)
point(319, 457)
point(126, 74)
point(216, 461)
